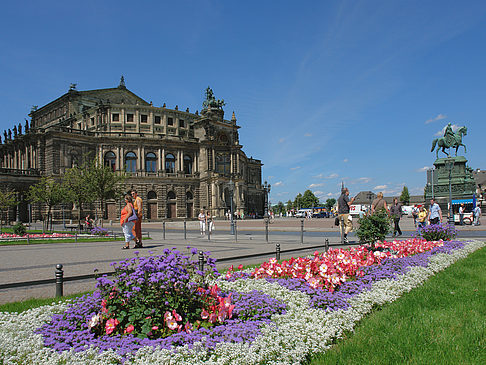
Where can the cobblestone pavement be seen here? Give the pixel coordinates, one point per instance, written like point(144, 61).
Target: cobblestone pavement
point(22, 263)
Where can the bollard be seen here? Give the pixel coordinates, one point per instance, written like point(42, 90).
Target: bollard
point(185, 230)
point(277, 251)
point(201, 261)
point(301, 231)
point(163, 229)
point(76, 237)
point(236, 233)
point(341, 226)
point(209, 235)
point(148, 234)
point(28, 239)
point(59, 280)
point(266, 229)
point(326, 245)
point(111, 222)
point(114, 236)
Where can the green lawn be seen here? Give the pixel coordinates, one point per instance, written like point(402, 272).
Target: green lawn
point(34, 303)
point(442, 322)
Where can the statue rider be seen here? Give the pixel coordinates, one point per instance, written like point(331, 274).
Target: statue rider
point(449, 135)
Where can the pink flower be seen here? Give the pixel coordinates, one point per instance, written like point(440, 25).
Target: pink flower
point(129, 329)
point(240, 267)
point(167, 316)
point(176, 316)
point(155, 328)
point(111, 325)
point(213, 318)
point(188, 327)
point(172, 324)
point(204, 314)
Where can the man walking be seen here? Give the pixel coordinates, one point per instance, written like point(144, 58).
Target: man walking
point(396, 213)
point(461, 214)
point(137, 228)
point(435, 213)
point(477, 215)
point(345, 224)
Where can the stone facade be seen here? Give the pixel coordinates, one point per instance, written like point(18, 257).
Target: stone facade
point(179, 162)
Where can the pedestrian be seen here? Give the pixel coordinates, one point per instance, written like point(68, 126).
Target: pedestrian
point(209, 222)
point(415, 213)
point(477, 215)
point(202, 222)
point(461, 214)
point(345, 224)
point(379, 203)
point(127, 218)
point(137, 228)
point(422, 217)
point(435, 213)
point(396, 213)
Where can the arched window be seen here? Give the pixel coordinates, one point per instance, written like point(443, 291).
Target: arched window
point(73, 159)
point(223, 163)
point(187, 164)
point(150, 162)
point(189, 196)
point(151, 195)
point(110, 160)
point(171, 195)
point(169, 163)
point(131, 162)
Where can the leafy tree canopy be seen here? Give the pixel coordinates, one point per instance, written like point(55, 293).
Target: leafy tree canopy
point(405, 197)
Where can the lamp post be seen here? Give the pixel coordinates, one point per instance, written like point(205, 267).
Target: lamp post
point(266, 191)
point(232, 222)
point(449, 162)
point(370, 198)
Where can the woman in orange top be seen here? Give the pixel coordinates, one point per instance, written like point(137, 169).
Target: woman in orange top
point(127, 225)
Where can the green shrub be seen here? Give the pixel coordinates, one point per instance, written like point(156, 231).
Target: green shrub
point(374, 227)
point(19, 229)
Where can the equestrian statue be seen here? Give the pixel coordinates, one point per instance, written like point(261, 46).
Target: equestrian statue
point(450, 139)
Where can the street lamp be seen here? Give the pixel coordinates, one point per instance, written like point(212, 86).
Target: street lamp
point(449, 162)
point(232, 224)
point(370, 198)
point(266, 191)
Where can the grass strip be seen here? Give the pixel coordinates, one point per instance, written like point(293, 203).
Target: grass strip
point(35, 302)
point(441, 322)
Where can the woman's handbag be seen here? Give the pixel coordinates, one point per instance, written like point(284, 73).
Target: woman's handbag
point(133, 217)
point(336, 221)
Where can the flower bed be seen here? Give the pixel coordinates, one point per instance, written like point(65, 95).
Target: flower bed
point(279, 315)
point(12, 236)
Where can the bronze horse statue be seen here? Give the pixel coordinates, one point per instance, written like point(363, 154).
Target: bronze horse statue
point(455, 141)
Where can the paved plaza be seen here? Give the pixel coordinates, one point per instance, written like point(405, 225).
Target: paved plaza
point(20, 263)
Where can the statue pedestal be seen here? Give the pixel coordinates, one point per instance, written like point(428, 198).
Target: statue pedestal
point(461, 180)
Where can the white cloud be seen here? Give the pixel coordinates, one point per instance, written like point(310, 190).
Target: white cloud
point(316, 185)
point(345, 160)
point(281, 140)
point(308, 135)
point(330, 194)
point(278, 183)
point(380, 187)
point(295, 168)
point(422, 169)
point(364, 180)
point(438, 117)
point(330, 176)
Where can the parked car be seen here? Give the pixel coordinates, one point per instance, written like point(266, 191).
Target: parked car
point(319, 215)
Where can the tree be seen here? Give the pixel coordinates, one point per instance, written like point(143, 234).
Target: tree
point(330, 203)
point(7, 200)
point(279, 208)
point(289, 205)
point(105, 184)
point(77, 184)
point(49, 192)
point(298, 201)
point(309, 200)
point(405, 197)
point(374, 227)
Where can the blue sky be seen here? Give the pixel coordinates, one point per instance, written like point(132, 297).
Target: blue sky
point(325, 91)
